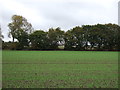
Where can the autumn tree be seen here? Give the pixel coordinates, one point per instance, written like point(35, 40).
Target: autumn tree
point(19, 29)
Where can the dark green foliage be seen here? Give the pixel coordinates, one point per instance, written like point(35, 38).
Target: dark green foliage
point(38, 40)
point(55, 37)
point(74, 39)
point(86, 37)
point(93, 37)
point(10, 45)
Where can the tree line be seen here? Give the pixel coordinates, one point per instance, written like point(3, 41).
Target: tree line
point(85, 37)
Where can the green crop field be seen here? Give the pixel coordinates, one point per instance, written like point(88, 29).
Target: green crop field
point(59, 69)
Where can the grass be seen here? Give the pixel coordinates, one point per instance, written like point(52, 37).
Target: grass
point(60, 69)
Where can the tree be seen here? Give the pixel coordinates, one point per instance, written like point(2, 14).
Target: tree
point(93, 36)
point(19, 29)
point(80, 37)
point(55, 37)
point(38, 40)
point(96, 36)
point(103, 36)
point(112, 37)
point(69, 41)
point(74, 39)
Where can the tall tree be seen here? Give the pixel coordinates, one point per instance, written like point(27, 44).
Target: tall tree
point(19, 29)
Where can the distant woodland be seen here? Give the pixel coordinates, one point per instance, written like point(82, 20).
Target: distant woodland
point(103, 37)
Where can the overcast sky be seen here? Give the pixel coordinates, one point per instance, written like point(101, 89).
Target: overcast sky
point(44, 14)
